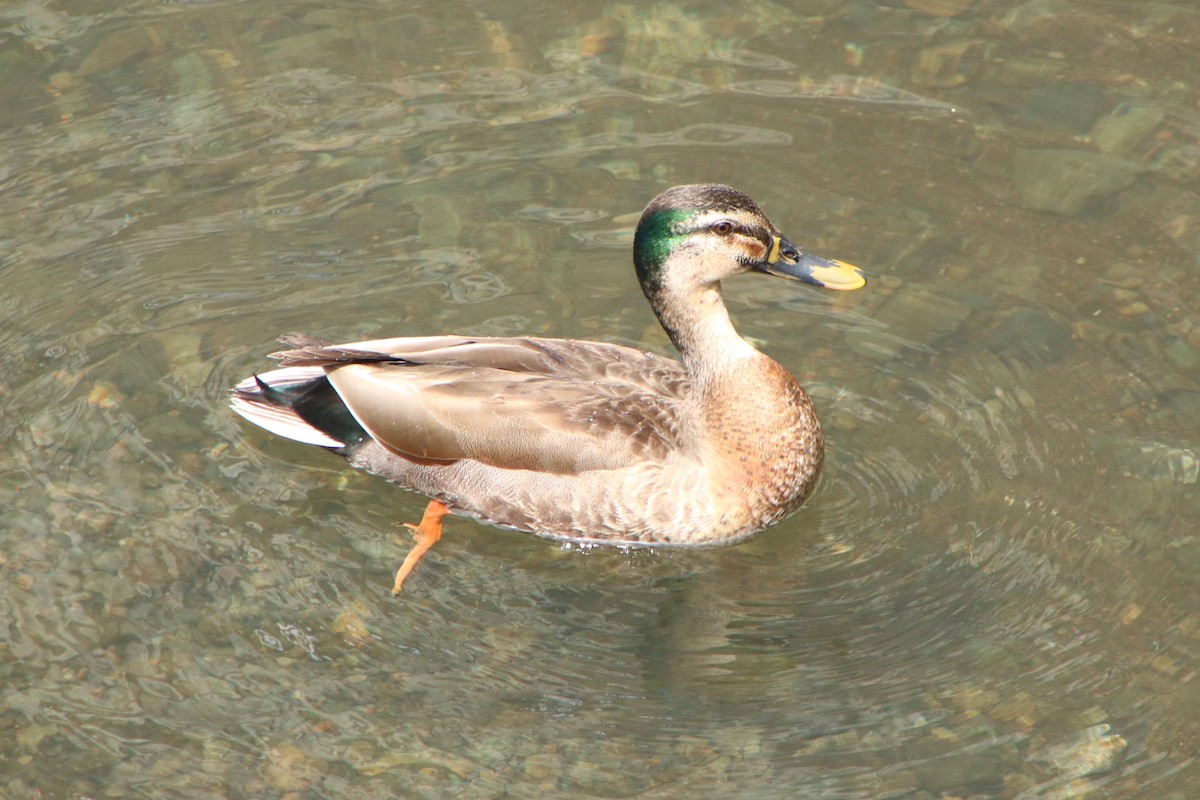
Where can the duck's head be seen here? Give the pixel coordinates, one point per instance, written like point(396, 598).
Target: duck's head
point(690, 237)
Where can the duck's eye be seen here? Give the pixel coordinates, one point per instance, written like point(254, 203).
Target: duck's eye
point(725, 227)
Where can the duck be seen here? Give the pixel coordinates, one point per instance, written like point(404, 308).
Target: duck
point(584, 441)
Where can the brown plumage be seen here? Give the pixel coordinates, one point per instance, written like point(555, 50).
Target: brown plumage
point(584, 440)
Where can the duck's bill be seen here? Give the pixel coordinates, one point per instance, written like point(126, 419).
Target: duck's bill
point(789, 261)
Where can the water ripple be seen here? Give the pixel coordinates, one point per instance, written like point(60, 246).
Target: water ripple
point(843, 88)
point(564, 216)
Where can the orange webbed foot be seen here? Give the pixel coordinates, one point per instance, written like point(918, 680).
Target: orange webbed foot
point(427, 533)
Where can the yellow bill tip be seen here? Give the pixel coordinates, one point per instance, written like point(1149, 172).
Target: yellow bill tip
point(839, 275)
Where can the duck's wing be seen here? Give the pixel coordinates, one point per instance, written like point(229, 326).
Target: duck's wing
point(550, 405)
point(566, 359)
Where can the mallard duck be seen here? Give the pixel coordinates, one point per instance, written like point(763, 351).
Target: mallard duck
point(577, 440)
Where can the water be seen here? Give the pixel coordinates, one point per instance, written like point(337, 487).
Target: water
point(993, 593)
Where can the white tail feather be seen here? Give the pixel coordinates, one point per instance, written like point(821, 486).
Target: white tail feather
point(280, 420)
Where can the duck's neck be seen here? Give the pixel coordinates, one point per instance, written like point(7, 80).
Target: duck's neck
point(700, 328)
point(758, 436)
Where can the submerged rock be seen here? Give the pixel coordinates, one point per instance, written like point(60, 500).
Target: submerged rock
point(1159, 461)
point(1068, 181)
point(1094, 750)
point(1128, 131)
point(1071, 105)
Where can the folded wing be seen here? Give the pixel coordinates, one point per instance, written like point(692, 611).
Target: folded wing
point(550, 405)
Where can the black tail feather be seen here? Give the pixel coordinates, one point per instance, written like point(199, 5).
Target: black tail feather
point(319, 405)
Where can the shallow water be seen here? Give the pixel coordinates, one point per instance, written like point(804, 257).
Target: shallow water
point(993, 593)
